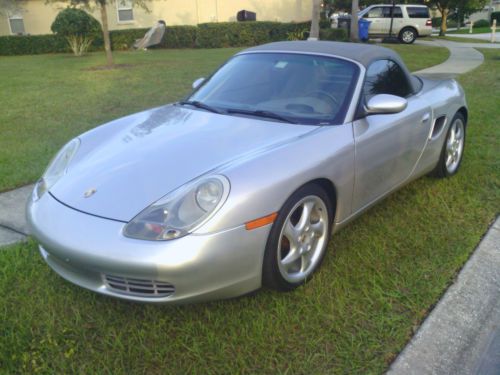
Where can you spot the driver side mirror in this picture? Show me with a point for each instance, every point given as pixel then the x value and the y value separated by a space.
pixel 197 83
pixel 385 104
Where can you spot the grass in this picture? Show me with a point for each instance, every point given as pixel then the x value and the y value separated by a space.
pixel 475 30
pixel 48 99
pixel 463 40
pixel 380 278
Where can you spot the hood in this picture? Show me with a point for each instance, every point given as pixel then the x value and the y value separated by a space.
pixel 134 161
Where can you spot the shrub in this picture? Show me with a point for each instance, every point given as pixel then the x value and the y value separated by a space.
pixel 209 35
pixel 333 34
pixel 481 23
pixel 238 34
pixel 297 35
pixel 436 21
pixel 495 16
pixel 78 27
pixel 32 44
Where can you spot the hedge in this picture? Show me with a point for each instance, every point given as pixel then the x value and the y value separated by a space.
pixel 32 44
pixel 207 35
pixel 234 34
pixel 333 34
pixel 495 16
pixel 481 23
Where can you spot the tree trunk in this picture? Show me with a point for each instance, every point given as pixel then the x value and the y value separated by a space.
pixel 444 17
pixel 314 34
pixel 354 20
pixel 105 33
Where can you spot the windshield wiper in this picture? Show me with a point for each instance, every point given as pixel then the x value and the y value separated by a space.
pixel 197 104
pixel 262 113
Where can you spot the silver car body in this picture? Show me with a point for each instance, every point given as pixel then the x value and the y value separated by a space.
pixel 359 162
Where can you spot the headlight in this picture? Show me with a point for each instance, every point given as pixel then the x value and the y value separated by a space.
pixel 57 168
pixel 181 211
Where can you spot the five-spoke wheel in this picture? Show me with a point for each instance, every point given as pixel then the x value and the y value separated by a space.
pixel 453 148
pixel 299 238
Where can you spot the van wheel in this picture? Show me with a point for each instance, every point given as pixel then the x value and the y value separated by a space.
pixel 408 35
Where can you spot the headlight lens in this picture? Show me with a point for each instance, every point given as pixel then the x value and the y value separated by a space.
pixel 181 211
pixel 57 168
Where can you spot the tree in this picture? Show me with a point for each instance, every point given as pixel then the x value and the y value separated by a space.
pixel 354 20
pixel 444 7
pixel 314 34
pixel 78 27
pixel 11 6
pixel 102 5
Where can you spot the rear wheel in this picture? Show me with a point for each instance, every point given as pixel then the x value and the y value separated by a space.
pixel 453 148
pixel 298 240
pixel 408 35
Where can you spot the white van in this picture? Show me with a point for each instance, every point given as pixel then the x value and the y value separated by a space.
pixel 410 21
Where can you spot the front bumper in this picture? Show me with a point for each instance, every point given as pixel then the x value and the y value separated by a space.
pixel 88 250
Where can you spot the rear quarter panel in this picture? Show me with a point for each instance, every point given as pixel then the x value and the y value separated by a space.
pixel 446 98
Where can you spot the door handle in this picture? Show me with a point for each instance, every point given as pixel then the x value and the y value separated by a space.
pixel 425 118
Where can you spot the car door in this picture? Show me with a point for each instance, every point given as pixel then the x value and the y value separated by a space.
pixel 379 24
pixel 388 146
pixel 397 22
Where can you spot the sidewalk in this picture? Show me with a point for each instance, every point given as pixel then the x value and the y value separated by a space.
pixel 13 227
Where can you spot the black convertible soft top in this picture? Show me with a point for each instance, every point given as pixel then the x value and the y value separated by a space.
pixel 365 54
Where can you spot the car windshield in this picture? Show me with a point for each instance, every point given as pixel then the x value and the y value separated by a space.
pixel 306 89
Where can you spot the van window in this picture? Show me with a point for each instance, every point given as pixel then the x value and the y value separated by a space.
pixel 418 12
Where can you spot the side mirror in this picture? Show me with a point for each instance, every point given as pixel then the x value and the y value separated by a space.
pixel 197 83
pixel 384 103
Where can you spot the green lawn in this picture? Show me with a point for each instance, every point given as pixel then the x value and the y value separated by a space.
pixel 48 99
pixel 462 40
pixel 475 30
pixel 380 278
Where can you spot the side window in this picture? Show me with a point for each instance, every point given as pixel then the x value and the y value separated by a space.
pixel 418 12
pixel 377 12
pixel 397 12
pixel 385 77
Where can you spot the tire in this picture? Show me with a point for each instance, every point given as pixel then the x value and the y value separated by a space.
pixel 298 239
pixel 453 148
pixel 408 35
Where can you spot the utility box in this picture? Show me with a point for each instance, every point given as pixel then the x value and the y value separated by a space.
pixel 246 15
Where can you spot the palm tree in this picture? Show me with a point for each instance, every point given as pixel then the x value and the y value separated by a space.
pixel 314 34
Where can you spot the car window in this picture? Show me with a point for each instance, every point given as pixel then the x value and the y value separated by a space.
pixel 377 12
pixel 418 12
pixel 397 12
pixel 385 77
pixel 307 88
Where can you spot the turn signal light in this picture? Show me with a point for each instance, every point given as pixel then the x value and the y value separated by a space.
pixel 260 222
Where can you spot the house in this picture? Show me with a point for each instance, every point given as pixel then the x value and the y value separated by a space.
pixel 36 16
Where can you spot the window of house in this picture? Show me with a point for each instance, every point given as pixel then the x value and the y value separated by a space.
pixel 386 77
pixel 16 23
pixel 125 11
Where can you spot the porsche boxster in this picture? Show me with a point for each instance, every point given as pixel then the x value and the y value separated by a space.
pixel 241 184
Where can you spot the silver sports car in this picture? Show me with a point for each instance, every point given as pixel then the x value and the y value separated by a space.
pixel 242 183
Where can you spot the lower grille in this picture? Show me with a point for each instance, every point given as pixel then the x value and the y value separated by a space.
pixel 138 287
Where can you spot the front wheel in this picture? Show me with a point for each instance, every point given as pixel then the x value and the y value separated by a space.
pixel 408 35
pixel 298 239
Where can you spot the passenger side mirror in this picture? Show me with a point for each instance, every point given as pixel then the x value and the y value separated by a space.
pixel 385 104
pixel 198 82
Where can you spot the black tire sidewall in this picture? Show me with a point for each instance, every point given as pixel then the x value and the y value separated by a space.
pixel 271 275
